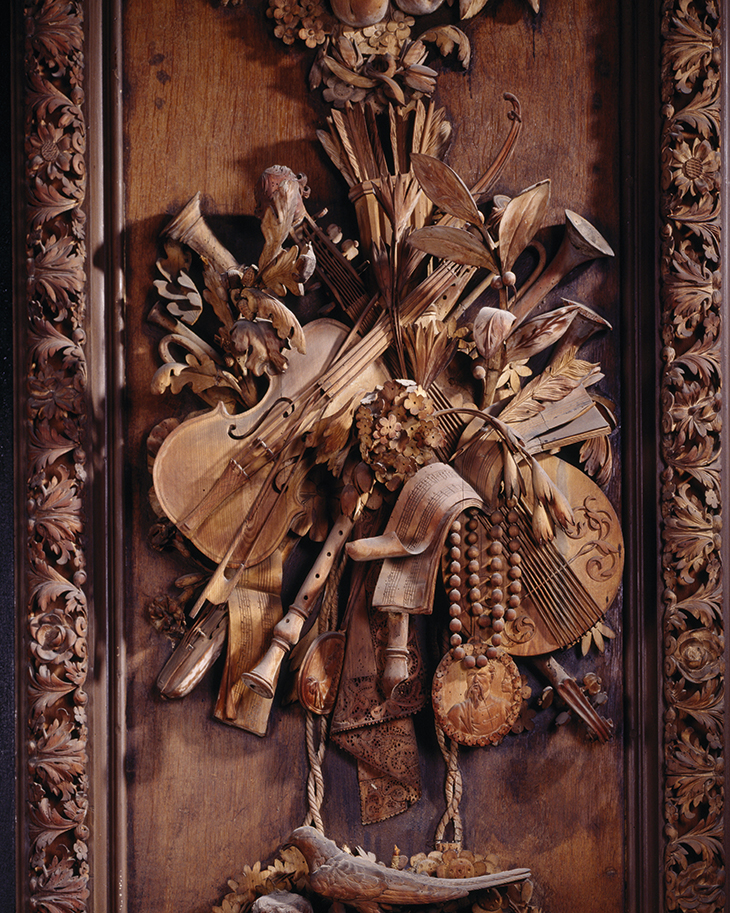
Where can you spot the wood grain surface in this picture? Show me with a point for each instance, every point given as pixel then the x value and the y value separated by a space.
pixel 211 99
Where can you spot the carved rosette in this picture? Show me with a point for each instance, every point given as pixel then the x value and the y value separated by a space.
pixel 691 499
pixel 56 732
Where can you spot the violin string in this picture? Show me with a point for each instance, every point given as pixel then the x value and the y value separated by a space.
pixel 547 598
pixel 565 571
pixel 541 562
pixel 559 572
pixel 546 614
pixel 554 582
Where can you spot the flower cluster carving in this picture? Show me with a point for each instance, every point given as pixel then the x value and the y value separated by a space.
pixel 691 378
pixel 56 732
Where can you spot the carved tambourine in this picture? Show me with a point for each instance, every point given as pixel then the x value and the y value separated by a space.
pixel 476 705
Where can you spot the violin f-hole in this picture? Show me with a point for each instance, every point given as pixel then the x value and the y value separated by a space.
pixel 250 431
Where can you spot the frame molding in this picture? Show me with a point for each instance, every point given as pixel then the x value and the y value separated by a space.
pixel 690 440
pixel 67 388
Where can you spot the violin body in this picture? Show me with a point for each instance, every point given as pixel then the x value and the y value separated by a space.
pixel 568 583
pixel 216 472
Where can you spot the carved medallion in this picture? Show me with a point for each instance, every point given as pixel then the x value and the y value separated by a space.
pixel 477 705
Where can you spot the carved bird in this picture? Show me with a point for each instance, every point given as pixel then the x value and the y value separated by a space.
pixel 365 885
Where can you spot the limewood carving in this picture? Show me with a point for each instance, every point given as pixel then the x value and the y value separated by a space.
pixel 414 432
pixel 367 886
pixel 53 579
pixel 55 733
pixel 691 495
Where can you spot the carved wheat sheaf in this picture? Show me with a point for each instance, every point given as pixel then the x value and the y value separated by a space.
pixel 55 731
pixel 691 498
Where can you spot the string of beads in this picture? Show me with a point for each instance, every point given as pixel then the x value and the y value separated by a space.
pixel 493 602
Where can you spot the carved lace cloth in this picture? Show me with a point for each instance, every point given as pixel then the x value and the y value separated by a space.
pixel 379 733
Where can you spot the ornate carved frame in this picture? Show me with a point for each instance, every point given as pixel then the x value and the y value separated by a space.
pixel 66 399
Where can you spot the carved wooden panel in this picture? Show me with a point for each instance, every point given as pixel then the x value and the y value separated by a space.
pixel 211 98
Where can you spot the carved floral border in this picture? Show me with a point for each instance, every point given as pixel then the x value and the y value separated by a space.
pixel 690 438
pixel 54 727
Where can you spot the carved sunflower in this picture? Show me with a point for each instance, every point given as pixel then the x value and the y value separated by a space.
pixel 695 169
pixel 50 151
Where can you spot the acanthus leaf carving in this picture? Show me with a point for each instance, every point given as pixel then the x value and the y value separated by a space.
pixel 694 642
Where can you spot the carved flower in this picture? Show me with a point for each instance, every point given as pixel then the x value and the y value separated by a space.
pixel 287 12
pixel 693 413
pixel 312 32
pixel 388 36
pixel 339 93
pixel 51 151
pixel 698 655
pixel 397 431
pixel 696 169
pixel 53 636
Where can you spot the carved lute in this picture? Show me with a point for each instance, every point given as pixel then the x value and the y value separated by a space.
pixel 566 584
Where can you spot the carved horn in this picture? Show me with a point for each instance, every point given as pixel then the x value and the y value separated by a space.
pixel 581 243
pixel 189 227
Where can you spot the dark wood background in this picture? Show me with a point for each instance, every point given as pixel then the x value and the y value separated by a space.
pixel 211 98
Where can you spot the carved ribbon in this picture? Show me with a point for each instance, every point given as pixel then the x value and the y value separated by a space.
pixel 253 610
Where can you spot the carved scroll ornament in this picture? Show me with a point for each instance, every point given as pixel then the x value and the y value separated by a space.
pixel 691 494
pixel 55 731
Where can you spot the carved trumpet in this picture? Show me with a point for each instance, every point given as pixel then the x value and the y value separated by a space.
pixel 189 227
pixel 581 243
pixel 262 678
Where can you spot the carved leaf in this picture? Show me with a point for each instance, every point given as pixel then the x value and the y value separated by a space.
pixel 48 585
pixel 469 8
pixel 46 823
pixel 46 445
pixel 348 76
pixel 57 32
pixel 57 516
pixel 443 186
pixel 522 217
pixel 690 285
pixel 57 271
pixel 47 202
pixel 205 378
pixel 702 112
pixel 177 259
pixel 258 347
pixel 59 756
pixel 549 387
pixel 183 298
pixel 217 297
pixel 596 454
pixel 48 340
pixel 692 773
pixel 59 889
pixel 448 37
pixel 540 332
pixel 45 689
pixel 282 274
pixel 453 244
pixel 45 99
pixel 261 304
pixel 688 49
pixel 702 359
